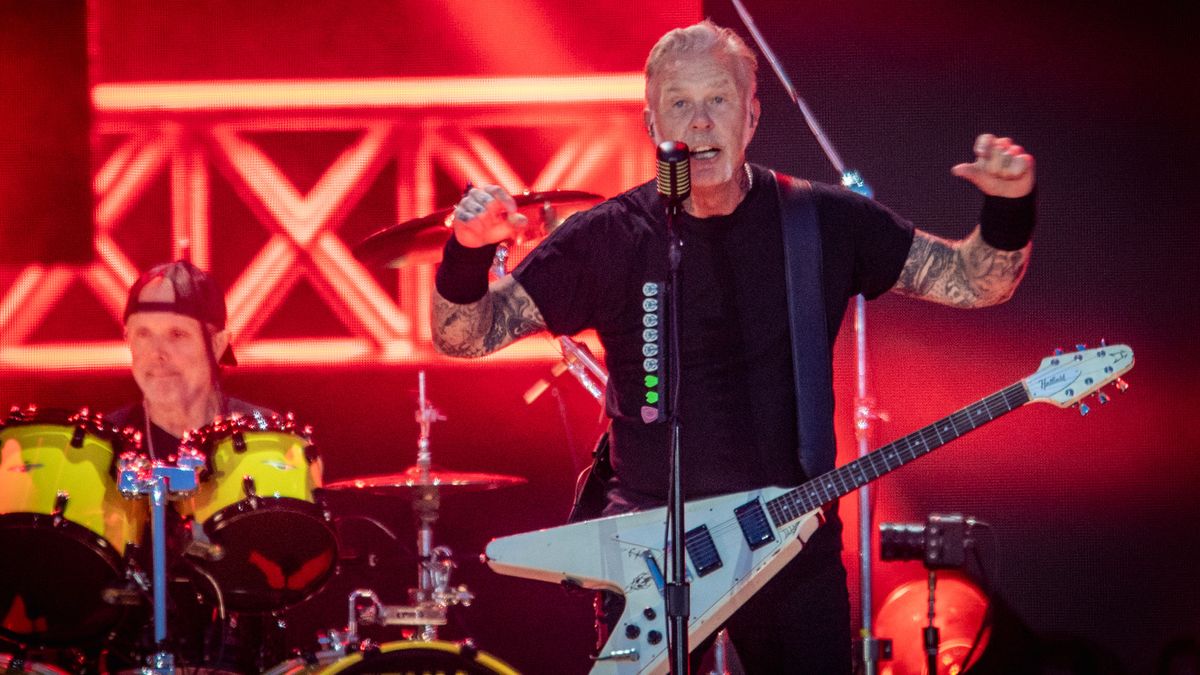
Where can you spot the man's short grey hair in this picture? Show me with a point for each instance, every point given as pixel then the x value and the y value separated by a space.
pixel 703 38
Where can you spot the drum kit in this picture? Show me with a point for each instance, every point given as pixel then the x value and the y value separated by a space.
pixel 248 493
pixel 93 532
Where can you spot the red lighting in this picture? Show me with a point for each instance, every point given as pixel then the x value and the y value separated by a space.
pixel 432 130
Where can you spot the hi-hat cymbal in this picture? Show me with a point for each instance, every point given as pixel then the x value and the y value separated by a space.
pixel 412 480
pixel 420 240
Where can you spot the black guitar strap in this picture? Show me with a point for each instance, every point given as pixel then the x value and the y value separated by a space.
pixel 812 365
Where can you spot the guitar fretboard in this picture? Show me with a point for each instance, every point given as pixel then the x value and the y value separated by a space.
pixel 848 478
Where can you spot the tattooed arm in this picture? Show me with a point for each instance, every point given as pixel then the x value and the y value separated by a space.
pixel 970 272
pixel 501 317
pixel 964 273
pixel 505 313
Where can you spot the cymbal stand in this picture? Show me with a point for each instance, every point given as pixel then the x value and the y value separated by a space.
pixel 432 596
pixel 583 366
pixel 139 477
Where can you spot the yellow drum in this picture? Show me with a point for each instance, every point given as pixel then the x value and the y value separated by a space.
pixel 64 526
pixel 256 504
pixel 405 658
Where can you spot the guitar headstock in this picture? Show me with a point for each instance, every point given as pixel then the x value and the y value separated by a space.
pixel 1066 378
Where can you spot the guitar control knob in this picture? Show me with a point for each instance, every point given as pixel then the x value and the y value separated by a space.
pixel 632 631
pixel 654 637
pixel 649 613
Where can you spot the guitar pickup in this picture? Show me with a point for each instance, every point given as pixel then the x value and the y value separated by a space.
pixel 753 521
pixel 702 550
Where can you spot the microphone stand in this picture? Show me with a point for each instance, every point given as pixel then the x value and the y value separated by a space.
pixel 676 591
pixel 865 412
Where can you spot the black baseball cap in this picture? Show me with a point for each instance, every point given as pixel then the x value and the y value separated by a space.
pixel 196 295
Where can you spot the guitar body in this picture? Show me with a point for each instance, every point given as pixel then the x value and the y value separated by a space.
pixel 624 554
pixel 737 542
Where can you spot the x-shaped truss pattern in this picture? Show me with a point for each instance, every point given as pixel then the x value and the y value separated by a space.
pixel 432 130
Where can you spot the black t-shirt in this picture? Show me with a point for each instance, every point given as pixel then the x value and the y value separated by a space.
pixel 606 267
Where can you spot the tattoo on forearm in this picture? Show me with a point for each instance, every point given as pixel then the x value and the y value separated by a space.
pixel 502 316
pixel 968 273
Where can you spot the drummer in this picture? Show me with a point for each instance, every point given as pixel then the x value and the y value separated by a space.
pixel 175 326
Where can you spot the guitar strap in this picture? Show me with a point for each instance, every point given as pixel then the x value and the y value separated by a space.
pixel 811 363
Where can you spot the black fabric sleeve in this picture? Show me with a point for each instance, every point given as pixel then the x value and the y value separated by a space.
pixel 880 238
pixel 559 274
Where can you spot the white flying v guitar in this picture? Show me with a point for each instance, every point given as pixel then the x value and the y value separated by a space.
pixel 737 542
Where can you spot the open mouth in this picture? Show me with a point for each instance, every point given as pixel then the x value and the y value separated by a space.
pixel 704 152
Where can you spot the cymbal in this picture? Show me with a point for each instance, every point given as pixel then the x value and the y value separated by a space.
pixel 420 240
pixel 411 480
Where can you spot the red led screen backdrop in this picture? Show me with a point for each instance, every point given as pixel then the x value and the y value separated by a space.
pixel 45 106
pixel 265 166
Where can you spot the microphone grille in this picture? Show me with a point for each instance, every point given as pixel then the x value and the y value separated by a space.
pixel 673 174
pixel 674 180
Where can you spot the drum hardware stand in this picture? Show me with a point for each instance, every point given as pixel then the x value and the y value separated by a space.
pixel 132 591
pixel 865 413
pixel 432 596
pixel 139 476
pixel 583 366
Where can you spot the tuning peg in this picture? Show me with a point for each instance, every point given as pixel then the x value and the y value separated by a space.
pixel 1122 385
pixel 1102 397
pixel 1058 351
pixel 1080 347
pixel 1084 409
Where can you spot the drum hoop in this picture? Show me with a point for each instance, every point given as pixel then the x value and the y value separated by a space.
pixel 121 438
pixel 206 438
pixel 474 655
pixel 251 505
pixel 80 534
pixel 35 667
pixel 72 530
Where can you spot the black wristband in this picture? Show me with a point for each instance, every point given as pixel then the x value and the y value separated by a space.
pixel 1007 223
pixel 462 278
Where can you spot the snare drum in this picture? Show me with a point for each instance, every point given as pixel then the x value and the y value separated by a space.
pixel 256 504
pixel 64 526
pixel 405 658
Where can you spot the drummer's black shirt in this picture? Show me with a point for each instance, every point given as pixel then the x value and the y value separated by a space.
pixel 737 403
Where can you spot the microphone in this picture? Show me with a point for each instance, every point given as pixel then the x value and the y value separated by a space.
pixel 674 172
